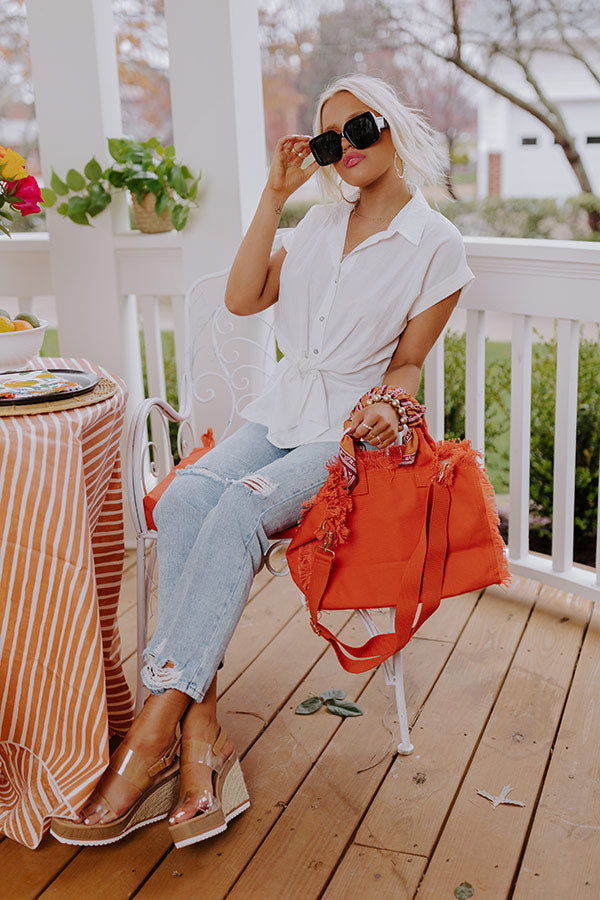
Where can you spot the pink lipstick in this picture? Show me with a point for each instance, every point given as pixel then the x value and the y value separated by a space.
pixel 352 159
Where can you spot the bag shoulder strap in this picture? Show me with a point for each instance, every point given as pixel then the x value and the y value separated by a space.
pixel 422 582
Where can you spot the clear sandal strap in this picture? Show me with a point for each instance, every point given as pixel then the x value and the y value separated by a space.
pixel 197 751
pixel 131 765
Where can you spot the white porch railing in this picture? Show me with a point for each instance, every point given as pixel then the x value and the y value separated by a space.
pixel 531 282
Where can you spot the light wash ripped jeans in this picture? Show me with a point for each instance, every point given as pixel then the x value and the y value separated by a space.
pixel 213 525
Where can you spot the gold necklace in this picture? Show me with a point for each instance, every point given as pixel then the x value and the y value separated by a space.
pixel 374 218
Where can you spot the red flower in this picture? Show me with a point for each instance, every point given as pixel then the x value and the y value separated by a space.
pixel 24 195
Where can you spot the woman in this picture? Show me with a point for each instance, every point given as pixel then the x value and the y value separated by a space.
pixel 363 289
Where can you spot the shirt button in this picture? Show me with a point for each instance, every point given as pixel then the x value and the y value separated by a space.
pixel 316 352
pixel 321 318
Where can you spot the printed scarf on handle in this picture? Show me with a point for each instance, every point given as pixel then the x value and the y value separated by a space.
pixel 406 436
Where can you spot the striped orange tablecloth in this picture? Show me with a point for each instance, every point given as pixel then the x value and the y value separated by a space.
pixel 62 688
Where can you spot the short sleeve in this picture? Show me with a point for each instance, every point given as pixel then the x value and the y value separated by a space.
pixel 446 273
pixel 289 236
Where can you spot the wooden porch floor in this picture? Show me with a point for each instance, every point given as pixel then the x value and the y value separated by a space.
pixel 502 689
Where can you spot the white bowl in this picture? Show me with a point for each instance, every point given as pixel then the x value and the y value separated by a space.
pixel 18 347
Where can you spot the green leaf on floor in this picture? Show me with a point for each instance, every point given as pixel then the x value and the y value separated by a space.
pixel 343 708
pixel 463 891
pixel 309 706
pixel 332 694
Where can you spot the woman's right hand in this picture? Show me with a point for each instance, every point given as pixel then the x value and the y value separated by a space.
pixel 287 173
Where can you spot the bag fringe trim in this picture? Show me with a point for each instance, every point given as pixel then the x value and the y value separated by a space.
pixel 491 508
pixel 449 455
pixel 336 497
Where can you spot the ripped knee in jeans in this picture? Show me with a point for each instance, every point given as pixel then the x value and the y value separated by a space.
pixel 258 484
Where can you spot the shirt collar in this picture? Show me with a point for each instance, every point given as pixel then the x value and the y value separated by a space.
pixel 410 221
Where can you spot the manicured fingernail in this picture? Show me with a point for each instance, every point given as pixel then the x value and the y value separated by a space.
pixel 86 821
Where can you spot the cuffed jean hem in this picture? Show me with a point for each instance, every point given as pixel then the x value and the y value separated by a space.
pixel 151 673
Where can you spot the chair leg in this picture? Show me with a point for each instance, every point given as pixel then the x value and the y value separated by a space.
pixel 144 584
pixel 405 748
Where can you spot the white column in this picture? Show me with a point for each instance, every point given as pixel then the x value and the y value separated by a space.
pixel 75 76
pixel 218 121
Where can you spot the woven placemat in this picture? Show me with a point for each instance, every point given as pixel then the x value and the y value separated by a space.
pixel 102 391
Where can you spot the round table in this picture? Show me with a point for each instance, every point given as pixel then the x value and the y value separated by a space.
pixel 62 688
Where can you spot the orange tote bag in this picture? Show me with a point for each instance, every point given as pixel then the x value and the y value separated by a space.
pixel 407 527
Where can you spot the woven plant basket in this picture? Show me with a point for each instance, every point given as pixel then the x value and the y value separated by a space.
pixel 147 219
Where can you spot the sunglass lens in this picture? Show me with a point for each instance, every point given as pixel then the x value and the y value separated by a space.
pixel 326 148
pixel 362 131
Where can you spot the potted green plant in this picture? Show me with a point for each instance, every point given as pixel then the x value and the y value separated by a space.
pixel 162 189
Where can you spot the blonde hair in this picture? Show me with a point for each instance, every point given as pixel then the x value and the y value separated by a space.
pixel 415 141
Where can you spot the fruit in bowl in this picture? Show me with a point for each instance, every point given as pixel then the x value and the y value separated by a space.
pixel 20 339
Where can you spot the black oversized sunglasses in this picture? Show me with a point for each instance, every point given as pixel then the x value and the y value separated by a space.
pixel 361 131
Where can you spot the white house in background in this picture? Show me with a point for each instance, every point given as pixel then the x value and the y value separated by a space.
pixel 516 154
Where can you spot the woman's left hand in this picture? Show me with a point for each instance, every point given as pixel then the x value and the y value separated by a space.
pixel 377 424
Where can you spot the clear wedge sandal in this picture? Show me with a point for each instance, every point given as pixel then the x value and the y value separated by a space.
pixel 229 795
pixel 155 800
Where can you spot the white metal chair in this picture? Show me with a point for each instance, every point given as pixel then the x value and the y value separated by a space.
pixel 224 362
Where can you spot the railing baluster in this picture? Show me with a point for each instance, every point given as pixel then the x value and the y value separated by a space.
pixel 565 436
pixel 25 304
pixel 475 379
pixel 434 389
pixel 520 440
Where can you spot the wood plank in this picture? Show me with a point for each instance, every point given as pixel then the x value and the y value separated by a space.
pixel 480 844
pixel 303 848
pixel 268 611
pixel 373 874
pixel 562 857
pixel 412 804
pixel 292 654
pixel 26 872
pixel 277 764
pixel 450 618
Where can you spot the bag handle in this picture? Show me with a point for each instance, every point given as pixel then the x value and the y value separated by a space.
pixel 410 414
pixel 422 580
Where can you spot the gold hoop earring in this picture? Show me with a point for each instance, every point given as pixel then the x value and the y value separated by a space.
pixel 399 173
pixel 342 194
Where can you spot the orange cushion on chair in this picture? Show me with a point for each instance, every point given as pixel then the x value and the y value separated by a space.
pixel 151 499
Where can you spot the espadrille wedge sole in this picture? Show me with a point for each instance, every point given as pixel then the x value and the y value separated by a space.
pixel 230 794
pixel 153 804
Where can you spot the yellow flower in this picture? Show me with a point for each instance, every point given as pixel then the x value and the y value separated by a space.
pixel 12 166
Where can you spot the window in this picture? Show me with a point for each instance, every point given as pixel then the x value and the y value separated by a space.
pixel 593 139
pixel 529 141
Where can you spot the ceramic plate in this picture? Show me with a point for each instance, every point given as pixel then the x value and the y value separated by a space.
pixel 85 381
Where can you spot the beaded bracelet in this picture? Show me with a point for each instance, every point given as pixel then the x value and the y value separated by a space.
pixel 409 412
pixel 394 402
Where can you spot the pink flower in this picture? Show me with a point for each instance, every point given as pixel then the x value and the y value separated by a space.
pixel 24 195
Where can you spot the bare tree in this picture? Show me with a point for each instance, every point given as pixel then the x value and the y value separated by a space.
pixel 475 37
pixel 429 86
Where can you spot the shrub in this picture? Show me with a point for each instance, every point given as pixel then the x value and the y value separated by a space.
pixel 497 402
pixel 542 433
pixel 587 443
pixel 524 217
pixel 293 213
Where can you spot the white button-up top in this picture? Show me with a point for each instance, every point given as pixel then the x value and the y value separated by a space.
pixel 338 321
